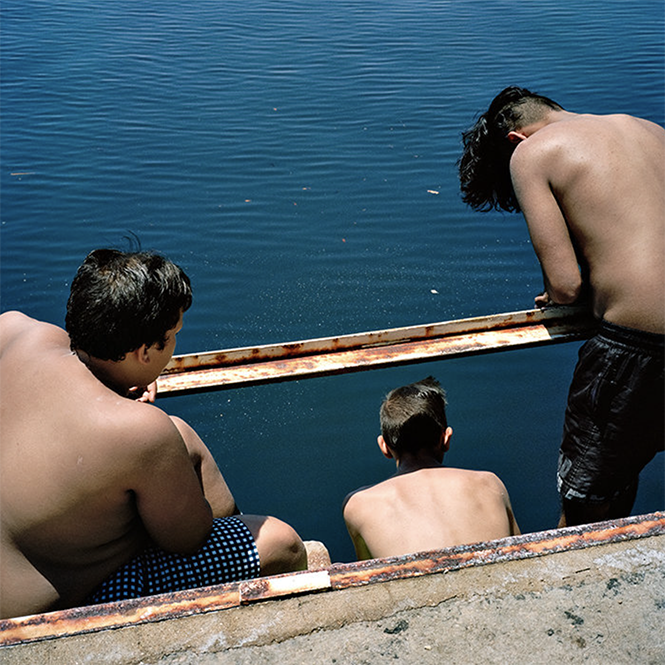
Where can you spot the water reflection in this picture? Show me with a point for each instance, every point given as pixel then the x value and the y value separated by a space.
pixel 284 154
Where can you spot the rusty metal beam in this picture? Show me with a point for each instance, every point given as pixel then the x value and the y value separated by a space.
pixel 363 351
pixel 525 546
pixel 180 604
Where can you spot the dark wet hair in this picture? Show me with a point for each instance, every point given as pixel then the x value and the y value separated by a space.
pixel 414 416
pixel 484 167
pixel 122 300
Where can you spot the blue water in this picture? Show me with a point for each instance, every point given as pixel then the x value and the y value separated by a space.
pixel 282 153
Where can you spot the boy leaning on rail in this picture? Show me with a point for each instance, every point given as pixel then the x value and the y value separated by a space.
pixel 592 190
pixel 104 497
pixel 424 505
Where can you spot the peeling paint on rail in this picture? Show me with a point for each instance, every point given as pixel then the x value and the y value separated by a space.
pixel 281 362
pixel 216 370
pixel 127 613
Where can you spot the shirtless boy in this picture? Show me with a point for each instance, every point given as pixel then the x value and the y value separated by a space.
pixel 424 505
pixel 97 489
pixel 592 191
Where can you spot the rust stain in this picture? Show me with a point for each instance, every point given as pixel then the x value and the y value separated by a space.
pixel 268 588
pixel 254 589
pixel 354 353
pixel 122 613
pixel 346 361
pixel 338 576
pixel 509 549
pixel 573 318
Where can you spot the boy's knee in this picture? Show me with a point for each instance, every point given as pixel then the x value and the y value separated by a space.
pixel 281 549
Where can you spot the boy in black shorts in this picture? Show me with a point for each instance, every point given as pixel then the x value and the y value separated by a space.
pixel 592 191
pixel 614 422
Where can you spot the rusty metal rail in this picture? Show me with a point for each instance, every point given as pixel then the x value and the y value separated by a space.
pixel 228 368
pixel 180 604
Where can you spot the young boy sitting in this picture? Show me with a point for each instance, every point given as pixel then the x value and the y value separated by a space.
pixel 424 505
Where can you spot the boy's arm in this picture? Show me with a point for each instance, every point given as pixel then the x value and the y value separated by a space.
pixel 529 170
pixel 512 522
pixel 214 486
pixel 362 551
pixel 514 528
pixel 168 493
pixel 350 512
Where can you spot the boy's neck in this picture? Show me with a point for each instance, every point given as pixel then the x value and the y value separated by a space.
pixel 424 459
pixel 107 372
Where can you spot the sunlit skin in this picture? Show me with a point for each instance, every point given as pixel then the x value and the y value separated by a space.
pixel 88 476
pixel 592 190
pixel 426 506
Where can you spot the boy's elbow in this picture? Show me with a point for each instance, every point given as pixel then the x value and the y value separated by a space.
pixel 565 293
pixel 564 297
pixel 189 538
pixel 186 546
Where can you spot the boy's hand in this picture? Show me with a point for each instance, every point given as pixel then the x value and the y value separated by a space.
pixel 144 393
pixel 543 300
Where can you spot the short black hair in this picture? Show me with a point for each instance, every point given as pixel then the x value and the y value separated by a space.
pixel 122 300
pixel 484 167
pixel 414 416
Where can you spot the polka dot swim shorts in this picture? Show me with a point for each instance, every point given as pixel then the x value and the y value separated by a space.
pixel 229 554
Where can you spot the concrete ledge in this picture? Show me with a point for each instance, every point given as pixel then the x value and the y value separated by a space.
pixel 594 594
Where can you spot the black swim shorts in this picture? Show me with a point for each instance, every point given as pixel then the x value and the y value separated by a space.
pixel 229 554
pixel 615 414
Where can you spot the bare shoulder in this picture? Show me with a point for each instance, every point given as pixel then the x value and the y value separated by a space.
pixel 141 446
pixel 143 427
pixel 15 325
pixel 13 317
pixel 548 140
pixel 12 324
pixel 356 502
pixel 490 480
pixel 532 159
pixel 555 152
pixel 352 499
pixel 475 479
pixel 137 437
pixel 633 121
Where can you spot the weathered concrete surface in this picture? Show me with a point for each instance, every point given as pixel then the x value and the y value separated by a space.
pixel 604 604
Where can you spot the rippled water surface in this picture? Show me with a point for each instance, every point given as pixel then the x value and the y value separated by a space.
pixel 285 154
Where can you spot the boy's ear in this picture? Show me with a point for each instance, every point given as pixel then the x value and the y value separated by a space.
pixel 142 354
pixel 445 439
pixel 516 137
pixel 384 447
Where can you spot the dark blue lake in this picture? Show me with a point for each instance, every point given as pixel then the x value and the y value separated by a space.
pixel 285 154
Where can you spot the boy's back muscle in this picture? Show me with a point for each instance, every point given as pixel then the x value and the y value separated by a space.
pixel 607 173
pixel 63 504
pixel 429 509
pixel 72 454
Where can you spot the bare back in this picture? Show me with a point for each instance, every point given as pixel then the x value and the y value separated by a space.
pixel 606 176
pixel 428 509
pixel 80 485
